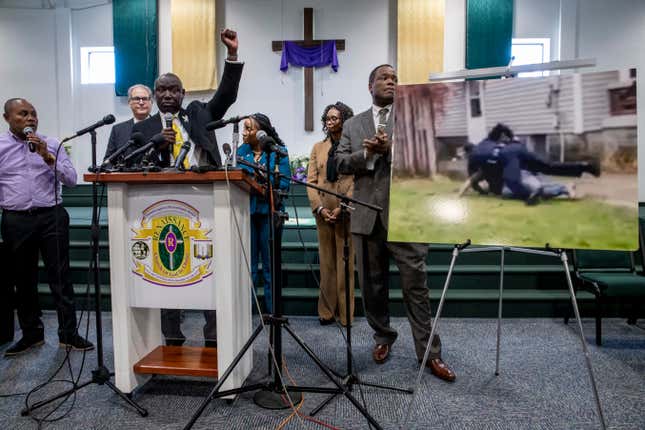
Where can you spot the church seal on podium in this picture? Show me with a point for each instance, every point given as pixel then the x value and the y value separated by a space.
pixel 170 245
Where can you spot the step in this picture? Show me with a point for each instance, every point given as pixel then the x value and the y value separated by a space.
pixel 463 294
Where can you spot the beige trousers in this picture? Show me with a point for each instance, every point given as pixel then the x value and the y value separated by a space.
pixel 331 298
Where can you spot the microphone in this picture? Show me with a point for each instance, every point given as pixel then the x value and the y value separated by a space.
pixel 255 167
pixel 214 125
pixel 167 119
pixel 27 131
pixel 107 119
pixel 269 145
pixel 203 169
pixel 157 140
pixel 227 151
pixel 183 152
pixel 137 139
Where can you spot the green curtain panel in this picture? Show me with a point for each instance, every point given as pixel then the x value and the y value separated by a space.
pixel 489 33
pixel 135 43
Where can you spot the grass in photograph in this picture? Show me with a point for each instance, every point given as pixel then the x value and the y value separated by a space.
pixel 423 210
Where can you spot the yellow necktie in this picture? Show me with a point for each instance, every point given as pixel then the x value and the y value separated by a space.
pixel 179 140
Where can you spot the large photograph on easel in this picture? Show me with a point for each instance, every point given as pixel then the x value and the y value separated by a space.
pixel 522 161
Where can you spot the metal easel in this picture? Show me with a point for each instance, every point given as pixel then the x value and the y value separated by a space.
pixel 548 251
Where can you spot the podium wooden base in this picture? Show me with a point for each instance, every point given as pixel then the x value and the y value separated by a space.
pixel 180 361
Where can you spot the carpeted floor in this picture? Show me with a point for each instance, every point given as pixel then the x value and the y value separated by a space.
pixel 543 383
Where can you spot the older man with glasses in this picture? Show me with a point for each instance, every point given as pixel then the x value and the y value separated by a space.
pixel 140 102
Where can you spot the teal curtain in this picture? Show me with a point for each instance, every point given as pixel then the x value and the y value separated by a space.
pixel 489 33
pixel 135 43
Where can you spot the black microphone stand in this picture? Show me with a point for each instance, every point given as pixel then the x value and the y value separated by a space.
pixel 272 394
pixel 101 375
pixel 350 378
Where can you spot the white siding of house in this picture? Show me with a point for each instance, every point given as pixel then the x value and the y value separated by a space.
pixel 567 101
pixel 522 104
pixel 453 122
pixel 595 107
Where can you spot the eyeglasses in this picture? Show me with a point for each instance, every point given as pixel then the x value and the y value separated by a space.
pixel 332 118
pixel 139 99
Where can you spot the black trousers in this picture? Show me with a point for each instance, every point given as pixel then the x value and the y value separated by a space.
pixel 25 234
pixel 171 326
pixel 6 299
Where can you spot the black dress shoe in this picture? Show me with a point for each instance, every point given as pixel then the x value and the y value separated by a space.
pixel 23 345
pixel 76 342
pixel 210 344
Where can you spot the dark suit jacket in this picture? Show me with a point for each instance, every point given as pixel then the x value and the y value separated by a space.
pixel 119 136
pixel 371 186
pixel 197 114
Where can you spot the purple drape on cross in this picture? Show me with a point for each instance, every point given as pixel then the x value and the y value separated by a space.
pixel 314 56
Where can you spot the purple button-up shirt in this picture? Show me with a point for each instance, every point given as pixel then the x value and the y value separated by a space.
pixel 26 181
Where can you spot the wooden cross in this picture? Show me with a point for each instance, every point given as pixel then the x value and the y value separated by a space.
pixel 309 41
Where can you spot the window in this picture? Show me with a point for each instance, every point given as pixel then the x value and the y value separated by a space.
pixel 475 101
pixel 97 65
pixel 531 51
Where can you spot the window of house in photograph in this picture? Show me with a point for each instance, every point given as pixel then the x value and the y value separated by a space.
pixel 531 51
pixel 475 100
pixel 97 65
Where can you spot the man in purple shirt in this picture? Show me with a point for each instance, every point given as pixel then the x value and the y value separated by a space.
pixel 33 221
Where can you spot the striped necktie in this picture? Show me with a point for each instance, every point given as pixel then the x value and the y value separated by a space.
pixel 179 140
pixel 382 116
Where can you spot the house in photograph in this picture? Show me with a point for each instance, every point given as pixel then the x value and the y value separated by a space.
pixel 562 117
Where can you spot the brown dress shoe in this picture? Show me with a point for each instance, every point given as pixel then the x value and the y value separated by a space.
pixel 380 353
pixel 441 370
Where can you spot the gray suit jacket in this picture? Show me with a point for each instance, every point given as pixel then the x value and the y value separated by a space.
pixel 371 186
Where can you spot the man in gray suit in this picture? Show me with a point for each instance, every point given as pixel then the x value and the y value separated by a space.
pixel 365 152
pixel 140 102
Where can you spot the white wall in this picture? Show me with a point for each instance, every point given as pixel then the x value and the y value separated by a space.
pixel 28 68
pixel 93 27
pixel 364 24
pixel 454 40
pixel 538 19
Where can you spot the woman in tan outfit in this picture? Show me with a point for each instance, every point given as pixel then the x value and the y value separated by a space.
pixel 326 208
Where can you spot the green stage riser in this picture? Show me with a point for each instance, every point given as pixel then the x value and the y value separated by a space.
pixel 535 285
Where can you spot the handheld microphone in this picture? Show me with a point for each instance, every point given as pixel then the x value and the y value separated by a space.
pixel 137 139
pixel 214 125
pixel 269 145
pixel 156 141
pixel 183 152
pixel 167 119
pixel 27 131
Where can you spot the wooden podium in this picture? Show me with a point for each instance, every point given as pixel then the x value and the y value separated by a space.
pixel 174 244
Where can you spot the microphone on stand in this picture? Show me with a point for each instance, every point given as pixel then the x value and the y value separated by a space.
pixel 235 141
pixel 137 139
pixel 256 167
pixel 156 141
pixel 183 152
pixel 107 119
pixel 214 125
pixel 29 131
pixel 203 169
pixel 227 151
pixel 269 145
